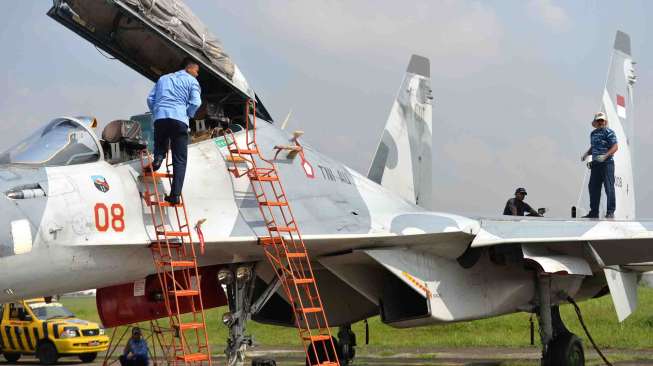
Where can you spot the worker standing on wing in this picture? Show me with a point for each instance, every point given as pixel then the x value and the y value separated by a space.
pixel 173 101
pixel 603 147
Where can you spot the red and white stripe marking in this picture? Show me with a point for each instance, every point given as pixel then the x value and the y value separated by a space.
pixel 621 106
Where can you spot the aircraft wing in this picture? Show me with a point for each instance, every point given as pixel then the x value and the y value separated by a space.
pixel 615 242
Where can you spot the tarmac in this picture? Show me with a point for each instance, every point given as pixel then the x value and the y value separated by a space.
pixel 418 357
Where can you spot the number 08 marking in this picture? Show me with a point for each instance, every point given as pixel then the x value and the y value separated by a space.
pixel 105 218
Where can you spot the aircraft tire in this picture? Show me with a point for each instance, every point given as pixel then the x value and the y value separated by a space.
pixel 11 357
pixel 566 350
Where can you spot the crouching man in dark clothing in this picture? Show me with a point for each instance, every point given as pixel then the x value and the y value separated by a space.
pixel 517 207
pixel 136 352
pixel 174 99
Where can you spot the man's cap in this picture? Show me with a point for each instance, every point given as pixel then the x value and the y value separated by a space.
pixel 600 116
pixel 136 330
pixel 520 190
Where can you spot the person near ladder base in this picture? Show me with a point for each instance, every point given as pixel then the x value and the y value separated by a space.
pixel 136 352
pixel 517 207
pixel 173 101
pixel 603 147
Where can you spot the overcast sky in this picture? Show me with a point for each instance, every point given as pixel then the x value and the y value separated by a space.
pixel 515 83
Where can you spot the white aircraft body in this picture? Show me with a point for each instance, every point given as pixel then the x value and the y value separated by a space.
pixel 75 218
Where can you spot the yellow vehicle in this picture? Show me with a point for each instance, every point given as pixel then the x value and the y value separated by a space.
pixel 49 331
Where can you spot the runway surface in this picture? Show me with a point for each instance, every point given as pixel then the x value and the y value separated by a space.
pixel 420 357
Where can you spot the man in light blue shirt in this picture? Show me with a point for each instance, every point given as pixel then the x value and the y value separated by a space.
pixel 173 101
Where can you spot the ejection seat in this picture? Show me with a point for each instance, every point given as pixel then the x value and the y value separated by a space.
pixel 122 140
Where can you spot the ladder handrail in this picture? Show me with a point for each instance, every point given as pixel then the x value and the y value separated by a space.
pixel 299 284
pixel 175 279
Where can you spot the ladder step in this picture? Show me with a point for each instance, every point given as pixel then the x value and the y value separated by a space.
pixel 164 204
pixel 317 338
pixel 310 310
pixel 236 159
pixel 269 240
pixel 186 326
pixel 328 364
pixel 243 151
pixel 185 293
pixel 193 357
pixel 179 263
pixel 283 229
pixel 173 233
pixel 295 255
pixel 157 174
pixel 264 178
pixel 273 203
pixel 302 281
pixel 164 245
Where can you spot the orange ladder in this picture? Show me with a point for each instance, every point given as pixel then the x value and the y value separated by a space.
pixel 174 255
pixel 284 247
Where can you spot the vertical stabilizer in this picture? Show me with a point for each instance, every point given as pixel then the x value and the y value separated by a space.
pixel 402 162
pixel 619 108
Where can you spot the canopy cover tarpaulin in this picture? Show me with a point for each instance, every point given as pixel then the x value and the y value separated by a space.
pixel 176 17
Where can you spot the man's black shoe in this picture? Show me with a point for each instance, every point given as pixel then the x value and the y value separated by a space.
pixel 156 164
pixel 590 216
pixel 173 200
pixel 609 215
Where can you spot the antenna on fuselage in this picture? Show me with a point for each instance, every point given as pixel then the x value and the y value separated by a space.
pixel 285 121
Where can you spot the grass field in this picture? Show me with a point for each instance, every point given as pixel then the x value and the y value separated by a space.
pixel 506 331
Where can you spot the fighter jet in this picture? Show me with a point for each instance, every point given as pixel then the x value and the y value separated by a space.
pixel 76 217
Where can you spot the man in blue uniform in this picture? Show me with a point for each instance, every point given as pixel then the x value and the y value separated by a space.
pixel 603 147
pixel 135 352
pixel 174 99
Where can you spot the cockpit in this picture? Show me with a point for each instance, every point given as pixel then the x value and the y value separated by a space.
pixel 60 142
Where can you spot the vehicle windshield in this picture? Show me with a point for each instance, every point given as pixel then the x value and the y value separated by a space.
pixel 60 142
pixel 45 311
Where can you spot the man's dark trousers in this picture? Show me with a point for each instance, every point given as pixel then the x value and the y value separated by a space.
pixel 173 133
pixel 602 174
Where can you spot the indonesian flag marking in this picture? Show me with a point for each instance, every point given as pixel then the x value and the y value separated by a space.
pixel 621 106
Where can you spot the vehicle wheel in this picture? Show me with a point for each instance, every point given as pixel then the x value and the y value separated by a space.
pixel 88 357
pixel 47 353
pixel 12 357
pixel 324 352
pixel 567 350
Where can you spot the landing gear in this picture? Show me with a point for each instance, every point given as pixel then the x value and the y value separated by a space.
pixel 240 287
pixel 560 347
pixel 346 344
pixel 240 292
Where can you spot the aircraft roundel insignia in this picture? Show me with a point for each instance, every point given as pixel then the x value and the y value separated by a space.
pixel 308 169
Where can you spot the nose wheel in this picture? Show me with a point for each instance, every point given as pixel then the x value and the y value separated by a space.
pixel 240 282
pixel 347 345
pixel 240 286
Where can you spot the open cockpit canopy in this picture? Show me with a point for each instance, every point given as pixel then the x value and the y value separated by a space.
pixel 153 37
pixel 60 142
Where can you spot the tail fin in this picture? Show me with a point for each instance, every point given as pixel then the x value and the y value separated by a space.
pixel 618 106
pixel 402 162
